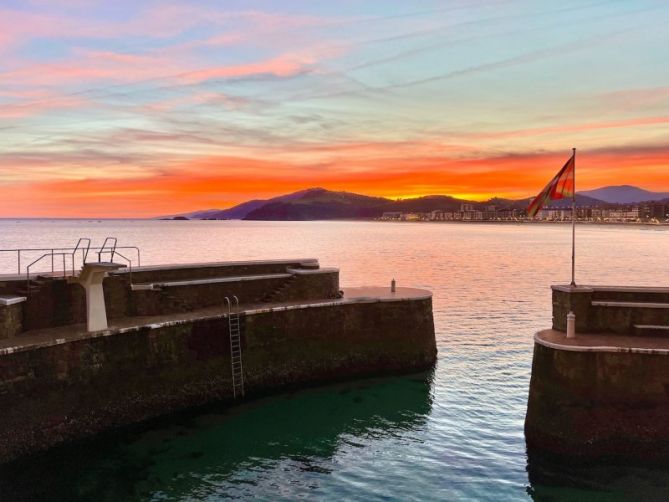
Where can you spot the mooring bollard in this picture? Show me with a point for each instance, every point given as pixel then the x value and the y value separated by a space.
pixel 571 325
pixel 392 286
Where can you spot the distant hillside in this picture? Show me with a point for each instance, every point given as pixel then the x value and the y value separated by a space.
pixel 241 211
pixel 625 194
pixel 322 204
pixel 581 200
pixel 319 204
pixel 425 204
pixel 237 212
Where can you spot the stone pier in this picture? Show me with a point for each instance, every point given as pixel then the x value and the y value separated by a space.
pixel 605 393
pixel 167 347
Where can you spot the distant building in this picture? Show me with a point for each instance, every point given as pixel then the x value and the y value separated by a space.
pixel 392 215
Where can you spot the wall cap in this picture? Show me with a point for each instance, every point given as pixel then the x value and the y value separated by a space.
pixel 172 266
pixel 596 348
pixel 210 280
pixel 6 300
pixel 312 271
pixel 567 288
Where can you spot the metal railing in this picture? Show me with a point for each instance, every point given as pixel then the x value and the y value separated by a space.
pixel 35 262
pixel 84 252
pixel 83 245
pixel 128 261
pixel 112 248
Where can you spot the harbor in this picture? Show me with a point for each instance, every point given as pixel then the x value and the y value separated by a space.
pixel 462 419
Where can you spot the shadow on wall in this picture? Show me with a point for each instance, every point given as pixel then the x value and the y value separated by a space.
pixel 173 456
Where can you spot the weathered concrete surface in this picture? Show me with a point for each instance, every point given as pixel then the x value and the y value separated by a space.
pixel 606 319
pixel 64 389
pixel 599 396
pixel 61 302
pixel 11 320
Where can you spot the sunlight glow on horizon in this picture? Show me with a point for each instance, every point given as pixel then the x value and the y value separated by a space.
pixel 152 108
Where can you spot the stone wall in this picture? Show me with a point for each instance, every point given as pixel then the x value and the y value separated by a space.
pixel 321 284
pixel 599 404
pixel 600 319
pixel 11 320
pixel 60 302
pixel 70 390
pixel 205 271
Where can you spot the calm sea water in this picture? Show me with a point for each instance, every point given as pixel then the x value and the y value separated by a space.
pixel 454 433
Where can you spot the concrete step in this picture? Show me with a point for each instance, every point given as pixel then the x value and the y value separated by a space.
pixel 633 305
pixel 651 330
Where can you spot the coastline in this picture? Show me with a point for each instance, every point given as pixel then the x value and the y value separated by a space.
pixel 360 220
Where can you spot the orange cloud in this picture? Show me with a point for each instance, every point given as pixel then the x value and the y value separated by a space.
pixel 224 181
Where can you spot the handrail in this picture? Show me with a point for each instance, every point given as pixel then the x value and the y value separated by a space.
pixel 84 255
pixel 112 248
pixel 129 264
pixel 69 250
pixel 229 303
pixel 52 254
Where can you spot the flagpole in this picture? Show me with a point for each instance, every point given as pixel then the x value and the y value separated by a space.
pixel 573 226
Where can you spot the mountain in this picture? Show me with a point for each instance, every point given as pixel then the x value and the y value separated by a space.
pixel 581 200
pixel 624 194
pixel 322 204
pixel 241 211
pixel 237 212
pixel 319 204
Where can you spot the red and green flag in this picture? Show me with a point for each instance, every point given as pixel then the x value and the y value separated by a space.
pixel 560 187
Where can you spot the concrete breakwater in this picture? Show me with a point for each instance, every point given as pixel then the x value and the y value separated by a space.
pixel 605 392
pixel 168 344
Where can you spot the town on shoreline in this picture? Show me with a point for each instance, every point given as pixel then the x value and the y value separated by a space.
pixel 646 213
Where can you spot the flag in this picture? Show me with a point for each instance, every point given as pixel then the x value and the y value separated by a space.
pixel 560 187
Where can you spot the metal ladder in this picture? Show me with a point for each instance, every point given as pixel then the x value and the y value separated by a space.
pixel 235 348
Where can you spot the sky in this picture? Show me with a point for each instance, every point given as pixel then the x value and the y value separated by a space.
pixel 144 108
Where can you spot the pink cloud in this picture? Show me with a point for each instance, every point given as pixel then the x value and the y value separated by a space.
pixel 38 103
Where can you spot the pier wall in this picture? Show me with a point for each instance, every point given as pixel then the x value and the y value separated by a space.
pixel 621 319
pixel 61 390
pixel 60 301
pixel 599 403
pixel 11 320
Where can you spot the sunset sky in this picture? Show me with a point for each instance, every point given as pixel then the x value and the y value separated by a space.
pixel 142 108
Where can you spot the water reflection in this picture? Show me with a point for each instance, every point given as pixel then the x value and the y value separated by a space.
pixel 557 479
pixel 223 451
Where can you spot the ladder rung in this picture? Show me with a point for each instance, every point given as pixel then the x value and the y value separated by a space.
pixel 234 330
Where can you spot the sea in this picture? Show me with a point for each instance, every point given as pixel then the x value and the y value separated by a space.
pixel 452 433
